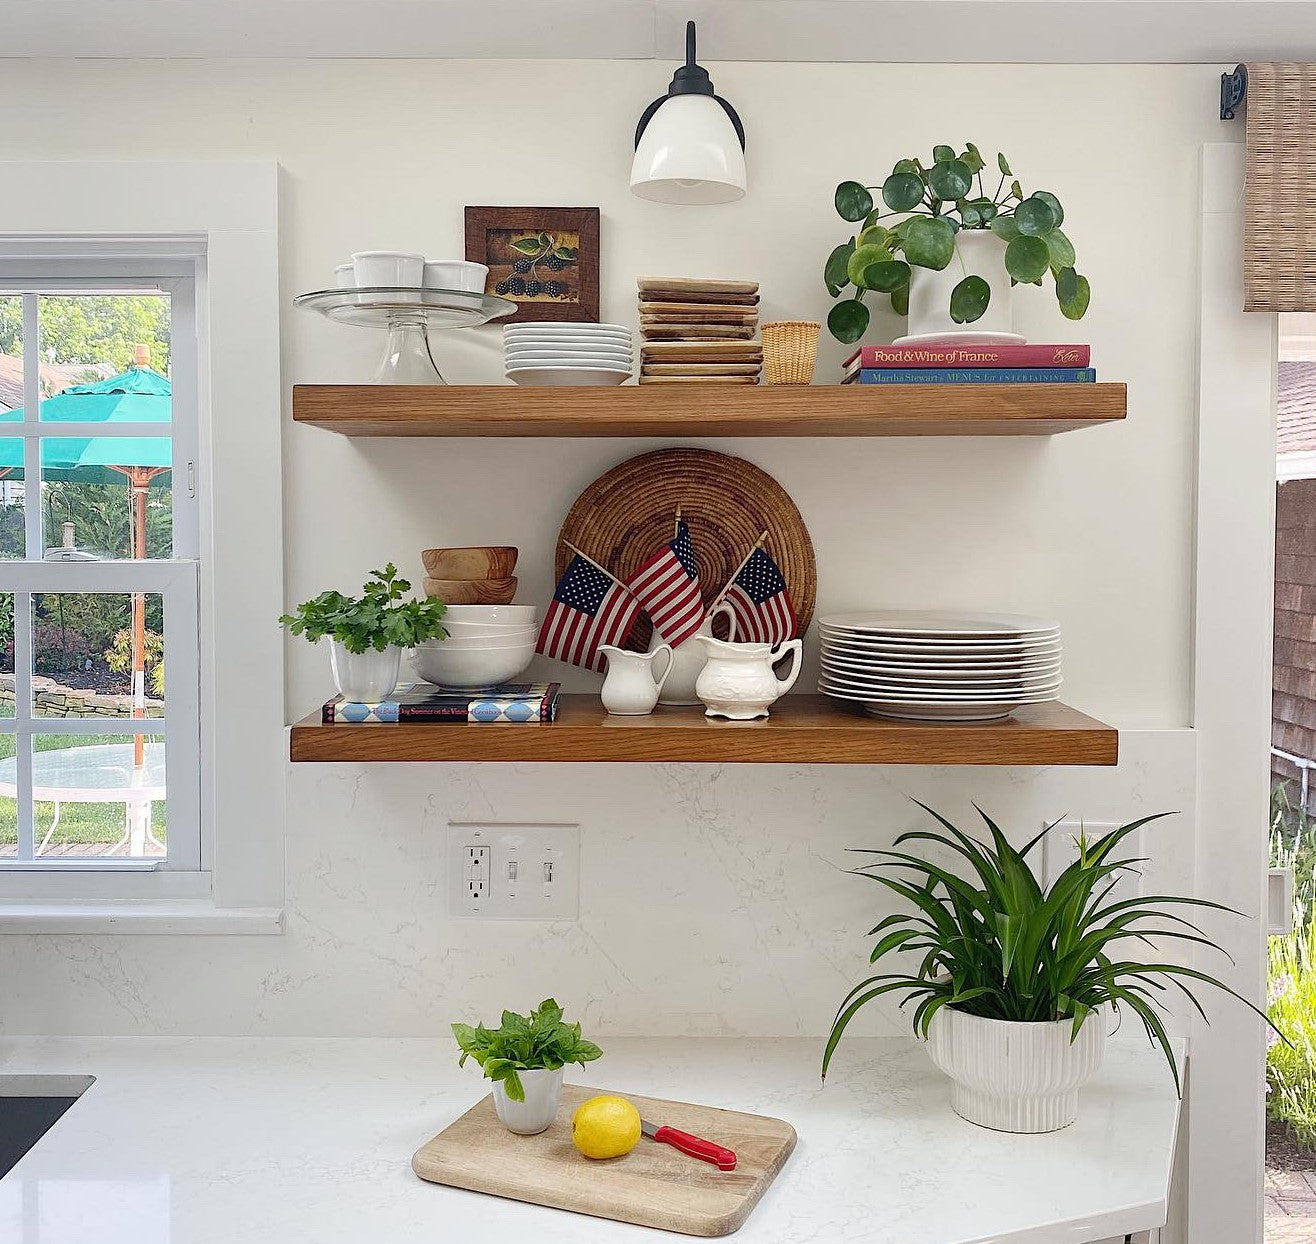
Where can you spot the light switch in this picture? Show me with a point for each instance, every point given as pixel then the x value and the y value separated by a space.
pixel 528 872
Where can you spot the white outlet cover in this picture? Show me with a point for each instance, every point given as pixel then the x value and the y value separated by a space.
pixel 1061 850
pixel 534 871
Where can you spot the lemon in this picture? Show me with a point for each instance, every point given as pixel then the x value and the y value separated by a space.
pixel 605 1127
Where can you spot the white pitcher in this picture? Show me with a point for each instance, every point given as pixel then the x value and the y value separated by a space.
pixel 737 680
pixel 688 659
pixel 631 689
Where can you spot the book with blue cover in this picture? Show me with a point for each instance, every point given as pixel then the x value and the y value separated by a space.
pixel 522 702
pixel 973 375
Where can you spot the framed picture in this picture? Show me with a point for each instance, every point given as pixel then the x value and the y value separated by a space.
pixel 545 259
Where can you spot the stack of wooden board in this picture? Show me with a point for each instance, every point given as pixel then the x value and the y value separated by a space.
pixel 696 330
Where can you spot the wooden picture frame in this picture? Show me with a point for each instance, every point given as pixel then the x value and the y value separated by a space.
pixel 552 251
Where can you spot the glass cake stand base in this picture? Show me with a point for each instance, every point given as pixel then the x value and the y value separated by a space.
pixel 407 356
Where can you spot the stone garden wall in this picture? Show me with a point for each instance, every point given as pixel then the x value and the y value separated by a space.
pixel 54 700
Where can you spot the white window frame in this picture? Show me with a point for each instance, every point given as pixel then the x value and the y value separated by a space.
pixel 220 219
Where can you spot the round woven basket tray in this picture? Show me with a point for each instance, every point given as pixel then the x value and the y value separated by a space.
pixel 628 513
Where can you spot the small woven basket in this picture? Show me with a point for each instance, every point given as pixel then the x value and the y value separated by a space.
pixel 790 350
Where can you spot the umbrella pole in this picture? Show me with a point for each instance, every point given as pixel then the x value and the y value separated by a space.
pixel 138 482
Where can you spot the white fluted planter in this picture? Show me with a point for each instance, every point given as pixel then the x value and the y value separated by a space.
pixel 365 677
pixel 1015 1077
pixel 543 1096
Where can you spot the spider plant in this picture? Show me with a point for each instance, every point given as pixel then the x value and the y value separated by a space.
pixel 1001 946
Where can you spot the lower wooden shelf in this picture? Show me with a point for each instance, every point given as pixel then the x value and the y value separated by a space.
pixel 803 729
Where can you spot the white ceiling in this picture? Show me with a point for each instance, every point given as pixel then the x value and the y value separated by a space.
pixel 1058 31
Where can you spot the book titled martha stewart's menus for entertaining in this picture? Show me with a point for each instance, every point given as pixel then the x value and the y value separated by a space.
pixel 521 702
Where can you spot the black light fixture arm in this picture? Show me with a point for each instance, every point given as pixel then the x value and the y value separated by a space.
pixel 691 79
pixel 1233 91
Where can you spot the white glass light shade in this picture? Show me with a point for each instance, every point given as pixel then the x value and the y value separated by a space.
pixel 689 153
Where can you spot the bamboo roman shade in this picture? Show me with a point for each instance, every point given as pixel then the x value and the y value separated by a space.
pixel 1279 242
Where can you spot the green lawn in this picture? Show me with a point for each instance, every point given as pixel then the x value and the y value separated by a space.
pixel 78 822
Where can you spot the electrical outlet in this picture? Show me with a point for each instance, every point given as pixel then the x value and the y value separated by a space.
pixel 1061 850
pixel 529 872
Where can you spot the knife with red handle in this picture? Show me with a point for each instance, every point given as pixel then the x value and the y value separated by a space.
pixel 724 1159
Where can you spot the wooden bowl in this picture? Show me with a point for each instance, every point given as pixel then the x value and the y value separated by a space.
pixel 472 591
pixel 496 561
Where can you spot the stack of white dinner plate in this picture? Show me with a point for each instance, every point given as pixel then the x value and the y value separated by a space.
pixel 568 354
pixel 934 666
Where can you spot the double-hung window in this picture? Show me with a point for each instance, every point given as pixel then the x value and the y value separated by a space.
pixel 100 727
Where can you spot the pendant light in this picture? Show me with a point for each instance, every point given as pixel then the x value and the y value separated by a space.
pixel 689 144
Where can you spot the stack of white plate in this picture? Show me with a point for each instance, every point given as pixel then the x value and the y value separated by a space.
pixel 939 666
pixel 568 354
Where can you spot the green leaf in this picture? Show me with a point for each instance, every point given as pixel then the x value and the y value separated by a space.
pixel 853 201
pixel 527 246
pixel 969 299
pixel 874 235
pixel 568 253
pixel 1034 217
pixel 969 214
pixel 848 320
pixel 973 158
pixel 1053 203
pixel 907 166
pixel 1003 165
pixel 835 273
pixel 1027 259
pixel 950 179
pixel 1060 249
pixel 941 153
pixel 1073 293
pixel 929 242
pixel 1005 228
pixel 902 192
pixel 886 276
pixel 900 300
pixel 863 258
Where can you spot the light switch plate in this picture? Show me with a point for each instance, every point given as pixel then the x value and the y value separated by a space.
pixel 533 871
pixel 1061 850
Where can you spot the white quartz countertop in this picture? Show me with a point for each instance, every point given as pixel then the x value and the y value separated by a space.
pixel 309 1142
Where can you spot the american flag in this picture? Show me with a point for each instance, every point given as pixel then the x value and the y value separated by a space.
pixel 761 603
pixel 589 608
pixel 667 585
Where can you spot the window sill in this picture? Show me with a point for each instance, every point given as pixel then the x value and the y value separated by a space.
pixel 167 919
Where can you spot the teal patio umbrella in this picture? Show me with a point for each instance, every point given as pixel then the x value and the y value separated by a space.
pixel 139 395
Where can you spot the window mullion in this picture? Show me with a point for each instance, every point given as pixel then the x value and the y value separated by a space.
pixel 23 723
pixel 31 426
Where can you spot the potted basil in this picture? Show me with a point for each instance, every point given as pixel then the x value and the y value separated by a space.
pixel 524 1058
pixel 952 258
pixel 1014 983
pixel 369 632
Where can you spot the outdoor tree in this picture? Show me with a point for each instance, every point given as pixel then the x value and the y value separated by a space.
pixel 91 329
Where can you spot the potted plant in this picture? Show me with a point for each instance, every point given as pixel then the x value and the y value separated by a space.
pixel 369 632
pixel 524 1058
pixel 1015 983
pixel 954 255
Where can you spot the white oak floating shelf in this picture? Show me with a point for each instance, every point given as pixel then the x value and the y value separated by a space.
pixel 709 410
pixel 803 729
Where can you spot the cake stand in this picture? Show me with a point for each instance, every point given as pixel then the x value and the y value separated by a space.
pixel 409 314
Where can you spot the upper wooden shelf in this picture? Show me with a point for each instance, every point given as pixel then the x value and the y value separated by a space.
pixel 803 729
pixel 711 410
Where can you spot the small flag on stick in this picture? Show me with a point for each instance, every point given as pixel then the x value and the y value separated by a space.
pixel 761 604
pixel 667 585
pixel 590 608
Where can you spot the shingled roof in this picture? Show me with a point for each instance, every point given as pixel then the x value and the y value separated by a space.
pixel 55 378
pixel 1296 408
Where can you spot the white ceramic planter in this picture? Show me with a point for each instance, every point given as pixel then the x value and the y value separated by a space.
pixel 543 1096
pixel 1015 1077
pixel 365 677
pixel 978 252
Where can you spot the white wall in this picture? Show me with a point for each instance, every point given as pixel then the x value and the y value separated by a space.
pixel 1095 528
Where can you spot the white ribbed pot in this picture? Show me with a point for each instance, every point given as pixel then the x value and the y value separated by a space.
pixel 365 677
pixel 1015 1077
pixel 543 1096
pixel 978 252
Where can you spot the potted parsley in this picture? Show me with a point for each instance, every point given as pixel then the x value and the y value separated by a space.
pixel 524 1058
pixel 369 632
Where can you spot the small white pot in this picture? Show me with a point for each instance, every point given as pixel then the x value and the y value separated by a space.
pixel 543 1096
pixel 365 677
pixel 455 274
pixel 388 268
pixel 978 252
pixel 1015 1077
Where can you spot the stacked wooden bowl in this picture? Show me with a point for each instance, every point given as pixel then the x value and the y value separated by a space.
pixel 471 576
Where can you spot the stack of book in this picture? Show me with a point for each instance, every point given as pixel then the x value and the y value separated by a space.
pixel 699 331
pixel 968 364
pixel 521 702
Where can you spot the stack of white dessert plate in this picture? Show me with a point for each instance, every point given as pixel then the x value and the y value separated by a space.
pixel 568 354
pixel 933 666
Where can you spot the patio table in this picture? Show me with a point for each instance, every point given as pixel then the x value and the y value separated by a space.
pixel 100 773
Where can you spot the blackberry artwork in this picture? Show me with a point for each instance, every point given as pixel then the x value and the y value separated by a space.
pixel 538 254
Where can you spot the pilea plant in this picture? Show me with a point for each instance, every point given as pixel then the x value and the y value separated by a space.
pixel 936 201
pixel 378 619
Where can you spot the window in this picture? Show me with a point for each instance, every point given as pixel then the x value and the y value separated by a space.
pixel 99 544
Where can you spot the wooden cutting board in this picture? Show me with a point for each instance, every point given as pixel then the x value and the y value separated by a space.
pixel 654 1185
